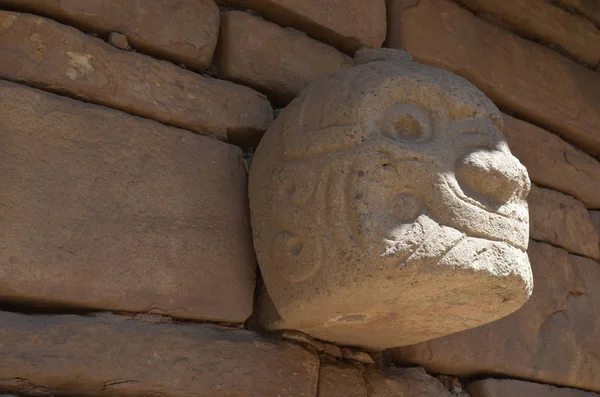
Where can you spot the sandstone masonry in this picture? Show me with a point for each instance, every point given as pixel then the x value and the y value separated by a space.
pixel 105 210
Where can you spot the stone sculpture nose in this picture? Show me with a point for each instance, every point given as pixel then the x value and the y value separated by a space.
pixel 491 176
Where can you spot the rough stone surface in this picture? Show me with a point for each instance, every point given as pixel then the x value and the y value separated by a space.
pixel 118 40
pixel 379 193
pixel 182 31
pixel 551 90
pixel 41 52
pixel 115 355
pixel 345 24
pixel 588 8
pixel 552 339
pixel 517 388
pixel 562 221
pixel 544 22
pixel 552 162
pixel 106 210
pixel 341 380
pixel 413 382
pixel 276 61
pixel 595 217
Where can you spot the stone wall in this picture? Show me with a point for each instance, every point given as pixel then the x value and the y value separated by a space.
pixel 127 129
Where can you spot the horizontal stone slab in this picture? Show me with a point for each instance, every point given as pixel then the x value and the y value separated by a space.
pixel 108 355
pixel 552 339
pixel 345 380
pixel 345 24
pixel 58 58
pixel 183 31
pixel 531 80
pixel 552 162
pixel 105 210
pixel 276 61
pixel 517 388
pixel 563 221
pixel 589 9
pixel 544 22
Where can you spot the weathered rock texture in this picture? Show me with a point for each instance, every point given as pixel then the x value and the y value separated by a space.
pixel 552 339
pixel 543 21
pixel 589 8
pixel 595 217
pixel 516 388
pixel 183 31
pixel 41 52
pixel 105 210
pixel 342 380
pixel 563 221
pixel 552 162
pixel 117 355
pixel 378 193
pixel 277 61
pixel 531 80
pixel 345 24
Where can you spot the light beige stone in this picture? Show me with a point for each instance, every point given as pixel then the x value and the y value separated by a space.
pixel 276 61
pixel 552 162
pixel 517 388
pixel 345 24
pixel 413 382
pixel 552 339
pixel 384 192
pixel 58 58
pixel 182 31
pixel 341 380
pixel 357 355
pixel 105 210
pixel 108 355
pixel 589 8
pixel 544 22
pixel 562 221
pixel 532 81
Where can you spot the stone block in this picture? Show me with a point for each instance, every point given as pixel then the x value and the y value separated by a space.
pixel 40 52
pixel 517 388
pixel 276 61
pixel 345 24
pixel 532 81
pixel 595 217
pixel 118 40
pixel 552 339
pixel 384 192
pixel 414 382
pixel 552 162
pixel 543 21
pixel 108 355
pixel 562 221
pixel 587 8
pixel 182 31
pixel 105 210
pixel 341 380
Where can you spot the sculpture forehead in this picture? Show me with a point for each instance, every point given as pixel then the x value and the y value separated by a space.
pixel 355 98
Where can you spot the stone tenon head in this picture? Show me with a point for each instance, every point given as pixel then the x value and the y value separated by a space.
pixel 387 208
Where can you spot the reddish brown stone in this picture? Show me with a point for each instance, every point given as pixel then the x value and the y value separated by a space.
pixel 106 210
pixel 276 61
pixel 552 339
pixel 341 380
pixel 595 216
pixel 589 8
pixel 517 388
pixel 531 80
pixel 552 162
pixel 118 40
pixel 562 221
pixel 183 31
pixel 345 24
pixel 412 382
pixel 58 58
pixel 545 22
pixel 108 355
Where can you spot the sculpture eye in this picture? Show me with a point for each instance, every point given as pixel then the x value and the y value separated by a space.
pixel 406 123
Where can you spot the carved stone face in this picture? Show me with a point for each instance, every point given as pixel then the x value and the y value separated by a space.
pixel 387 208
